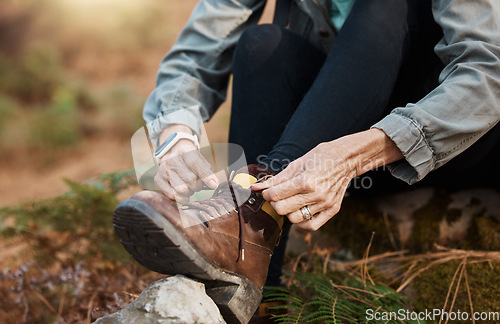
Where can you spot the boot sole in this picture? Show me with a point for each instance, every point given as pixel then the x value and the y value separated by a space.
pixel 156 244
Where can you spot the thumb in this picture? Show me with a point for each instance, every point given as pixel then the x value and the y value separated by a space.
pixel 211 181
pixel 200 166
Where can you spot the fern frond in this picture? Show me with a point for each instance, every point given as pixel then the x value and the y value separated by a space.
pixel 337 298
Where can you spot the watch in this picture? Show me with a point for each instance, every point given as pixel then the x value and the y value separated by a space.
pixel 172 140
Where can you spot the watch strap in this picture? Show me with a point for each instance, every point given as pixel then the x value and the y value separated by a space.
pixel 170 142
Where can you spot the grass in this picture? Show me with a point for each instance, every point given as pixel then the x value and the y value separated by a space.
pixel 321 289
pixel 61 261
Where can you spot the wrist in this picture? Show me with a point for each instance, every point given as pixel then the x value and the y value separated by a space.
pixel 176 128
pixel 177 138
pixel 370 149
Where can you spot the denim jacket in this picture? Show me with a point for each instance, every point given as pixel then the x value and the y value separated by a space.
pixel 193 79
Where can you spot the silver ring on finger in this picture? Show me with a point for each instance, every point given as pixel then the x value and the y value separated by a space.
pixel 306 213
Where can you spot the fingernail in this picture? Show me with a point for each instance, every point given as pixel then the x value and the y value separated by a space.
pixel 212 184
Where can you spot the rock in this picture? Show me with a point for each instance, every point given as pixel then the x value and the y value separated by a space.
pixel 414 220
pixel 172 300
pixel 402 207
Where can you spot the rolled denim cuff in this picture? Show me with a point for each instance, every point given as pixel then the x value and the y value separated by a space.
pixel 410 139
pixel 189 117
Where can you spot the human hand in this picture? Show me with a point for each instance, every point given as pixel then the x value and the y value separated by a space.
pixel 183 170
pixel 320 178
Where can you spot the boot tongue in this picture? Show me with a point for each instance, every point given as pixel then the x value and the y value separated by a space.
pixel 244 179
pixel 250 174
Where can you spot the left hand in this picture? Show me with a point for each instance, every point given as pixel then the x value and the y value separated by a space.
pixel 319 179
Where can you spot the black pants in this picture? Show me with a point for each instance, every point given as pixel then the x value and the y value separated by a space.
pixel 288 96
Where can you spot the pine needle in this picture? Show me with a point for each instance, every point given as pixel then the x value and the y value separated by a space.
pixel 461 266
pixel 469 294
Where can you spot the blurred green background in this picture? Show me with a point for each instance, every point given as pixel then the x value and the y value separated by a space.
pixel 74 75
pixel 73 78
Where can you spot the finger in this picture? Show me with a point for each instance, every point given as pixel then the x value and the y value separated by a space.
pixel 294 203
pixel 188 165
pixel 290 172
pixel 180 187
pixel 176 167
pixel 191 179
pixel 195 186
pixel 164 186
pixel 200 166
pixel 318 220
pixel 211 181
pixel 186 175
pixel 293 186
pixel 298 217
pixel 163 177
pixel 277 179
pixel 181 199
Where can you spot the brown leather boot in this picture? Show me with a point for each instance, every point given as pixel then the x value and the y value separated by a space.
pixel 226 241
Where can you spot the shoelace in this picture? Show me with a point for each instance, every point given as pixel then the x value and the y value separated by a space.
pixel 223 201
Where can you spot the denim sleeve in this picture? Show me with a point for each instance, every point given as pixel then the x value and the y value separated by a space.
pixel 465 105
pixel 193 77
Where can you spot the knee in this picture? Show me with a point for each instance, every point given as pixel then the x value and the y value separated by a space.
pixel 261 35
pixel 257 44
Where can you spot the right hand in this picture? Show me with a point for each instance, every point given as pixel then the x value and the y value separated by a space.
pixel 183 170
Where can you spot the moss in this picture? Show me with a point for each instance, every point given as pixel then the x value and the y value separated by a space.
pixel 431 287
pixel 426 227
pixel 77 223
pixel 488 233
pixel 354 224
pixel 483 234
pixel 359 217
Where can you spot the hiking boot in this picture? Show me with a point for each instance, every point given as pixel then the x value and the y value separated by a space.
pixel 226 241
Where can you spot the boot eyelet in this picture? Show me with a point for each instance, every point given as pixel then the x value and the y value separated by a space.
pixel 251 201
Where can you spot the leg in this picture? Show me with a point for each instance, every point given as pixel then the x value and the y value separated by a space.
pixel 273 70
pixel 341 100
pixel 354 86
pixel 352 90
